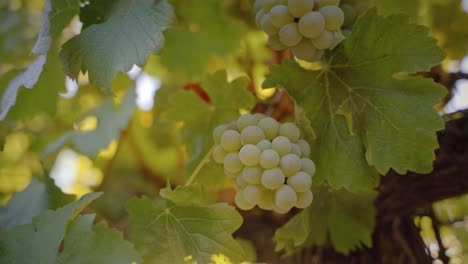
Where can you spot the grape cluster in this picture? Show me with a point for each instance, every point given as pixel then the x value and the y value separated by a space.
pixel 268 160
pixel 308 27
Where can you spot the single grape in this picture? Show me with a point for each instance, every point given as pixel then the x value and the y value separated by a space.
pixel 308 166
pixel 285 197
pixel 275 44
pixel 242 203
pixel 258 17
pixel 269 126
pixel 259 116
pixel 218 132
pixel 299 7
pixel 267 25
pixel 324 41
pixel 290 131
pixel 245 121
pixel 241 183
pixel 252 193
pixel 350 15
pixel 306 51
pixel 278 210
pixel 252 175
pixel 269 4
pixel 312 24
pixel 257 6
pixel 252 135
pixel 273 179
pixel 282 145
pixel 231 140
pixel 329 2
pixel 232 163
pixel 249 155
pixel 290 164
pixel 219 154
pixel 264 144
pixel 300 182
pixel 304 199
pixel 269 159
pixel 230 175
pixel 289 35
pixel 280 16
pixel 295 149
pixel 334 17
pixel 267 201
pixel 305 148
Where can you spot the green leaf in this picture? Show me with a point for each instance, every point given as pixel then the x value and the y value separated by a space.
pixel 388 7
pixel 346 218
pixel 364 110
pixel 194 194
pixel 39 241
pixel 96 244
pixel 110 124
pixel 132 31
pixel 167 233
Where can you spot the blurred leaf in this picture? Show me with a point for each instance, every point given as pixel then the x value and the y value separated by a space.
pixel 194 194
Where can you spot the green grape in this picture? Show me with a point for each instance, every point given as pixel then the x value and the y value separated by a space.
pixel 282 145
pixel 264 144
pixel 249 155
pixel 334 17
pixel 290 164
pixel 269 159
pixel 290 131
pixel 218 132
pixel 305 148
pixel 245 121
pixel 258 17
pixel 252 194
pixel 289 35
pixel 257 6
pixel 295 149
pixel 285 197
pixel 269 4
pixel 252 175
pixel 324 41
pixel 300 182
pixel 304 199
pixel 278 210
pixel 273 179
pixel 230 175
pixel 312 24
pixel 306 51
pixel 231 140
pixel 241 183
pixel 267 25
pixel 329 3
pixel 299 7
pixel 259 116
pixel 267 201
pixel 350 15
pixel 232 163
pixel 242 203
pixel 280 16
pixel 252 135
pixel 308 166
pixel 219 154
pixel 275 44
pixel 269 126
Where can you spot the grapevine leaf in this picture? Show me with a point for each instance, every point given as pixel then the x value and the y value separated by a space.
pixel 347 217
pixel 388 7
pixel 85 243
pixel 110 124
pixel 39 241
pixel 194 194
pixel 132 31
pixel 364 110
pixel 168 233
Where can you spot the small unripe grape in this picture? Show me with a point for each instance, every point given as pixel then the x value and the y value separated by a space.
pixel 242 203
pixel 280 16
pixel 334 17
pixel 259 116
pixel 219 154
pixel 245 121
pixel 282 145
pixel 264 144
pixel 252 194
pixel 267 25
pixel 329 3
pixel 241 183
pixel 290 164
pixel 304 199
pixel 273 179
pixel 300 182
pixel 289 35
pixel 252 175
pixel 232 163
pixel 308 166
pixel 218 132
pixel 305 148
pixel 312 24
pixel 252 135
pixel 290 131
pixel 350 15
pixel 306 51
pixel 285 198
pixel 269 159
pixel 249 155
pixel 275 44
pixel 295 149
pixel 269 4
pixel 299 7
pixel 270 126
pixel 324 41
pixel 231 140
pixel 267 202
pixel 258 17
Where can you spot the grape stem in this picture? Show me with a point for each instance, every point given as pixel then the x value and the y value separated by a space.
pixel 197 170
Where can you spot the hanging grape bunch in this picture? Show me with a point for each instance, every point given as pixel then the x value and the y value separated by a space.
pixel 268 160
pixel 308 27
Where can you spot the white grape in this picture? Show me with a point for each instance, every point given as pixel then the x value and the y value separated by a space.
pixel 252 175
pixel 278 210
pixel 290 164
pixel 264 144
pixel 282 145
pixel 242 203
pixel 290 131
pixel 334 17
pixel 259 116
pixel 231 140
pixel 273 179
pixel 269 159
pixel 312 24
pixel 232 163
pixel 295 149
pixel 258 17
pixel 258 5
pixel 304 199
pixel 350 15
pixel 241 183
pixel 230 175
pixel 245 121
pixel 299 7
pixel 219 154
pixel 275 43
pixel 308 166
pixel 252 135
pixel 270 126
pixel 329 2
pixel 285 197
pixel 305 148
pixel 249 155
pixel 267 25
pixel 280 16
pixel 218 132
pixel 289 35
pixel 269 4
pixel 252 194
pixel 306 51
pixel 267 202
pixel 300 182
pixel 324 41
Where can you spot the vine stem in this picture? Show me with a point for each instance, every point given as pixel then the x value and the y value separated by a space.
pixel 199 167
